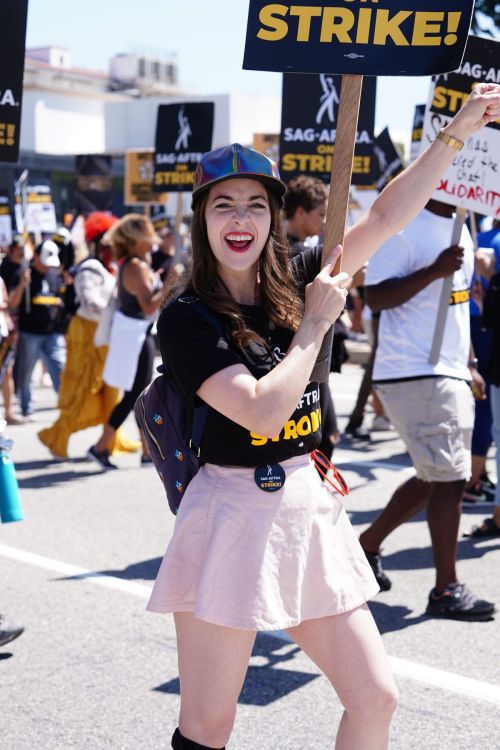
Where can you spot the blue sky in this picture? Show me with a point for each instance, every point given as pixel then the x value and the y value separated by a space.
pixel 207 37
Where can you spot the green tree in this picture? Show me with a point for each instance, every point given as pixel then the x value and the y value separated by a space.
pixel 486 18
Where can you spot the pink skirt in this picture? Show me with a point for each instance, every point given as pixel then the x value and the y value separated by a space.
pixel 244 558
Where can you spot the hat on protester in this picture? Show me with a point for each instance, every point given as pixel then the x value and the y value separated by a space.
pixel 236 161
pixel 97 224
pixel 62 236
pixel 48 252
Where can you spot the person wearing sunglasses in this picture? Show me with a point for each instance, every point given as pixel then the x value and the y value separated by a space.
pixel 260 542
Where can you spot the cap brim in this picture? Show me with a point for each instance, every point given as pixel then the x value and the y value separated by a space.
pixel 276 187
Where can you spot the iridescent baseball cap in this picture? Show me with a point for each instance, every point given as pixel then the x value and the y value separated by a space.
pixel 236 161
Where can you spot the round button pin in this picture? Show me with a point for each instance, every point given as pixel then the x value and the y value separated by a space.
pixel 270 478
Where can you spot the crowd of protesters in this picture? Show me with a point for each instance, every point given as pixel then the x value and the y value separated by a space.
pixel 87 313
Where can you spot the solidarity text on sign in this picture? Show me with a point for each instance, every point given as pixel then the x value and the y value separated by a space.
pixel 355 36
pixel 473 180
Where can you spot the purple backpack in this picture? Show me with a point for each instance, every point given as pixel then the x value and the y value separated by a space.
pixel 174 445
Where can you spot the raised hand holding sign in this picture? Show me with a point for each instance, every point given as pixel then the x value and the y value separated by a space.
pixel 355 38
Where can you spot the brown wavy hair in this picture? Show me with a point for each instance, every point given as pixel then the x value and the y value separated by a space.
pixel 276 285
pixel 126 233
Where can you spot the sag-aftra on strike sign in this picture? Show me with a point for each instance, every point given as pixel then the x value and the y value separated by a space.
pixel 361 37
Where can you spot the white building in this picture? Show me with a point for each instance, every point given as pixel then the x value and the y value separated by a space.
pixel 70 110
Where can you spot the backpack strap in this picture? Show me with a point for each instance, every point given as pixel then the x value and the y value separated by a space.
pixel 200 413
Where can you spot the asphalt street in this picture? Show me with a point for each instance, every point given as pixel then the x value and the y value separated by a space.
pixel 94 670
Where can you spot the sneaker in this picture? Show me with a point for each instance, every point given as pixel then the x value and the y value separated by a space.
pixel 475 495
pixel 101 458
pixel 146 460
pixel 457 602
pixel 375 563
pixel 381 424
pixel 357 433
pixel 487 485
pixel 8 630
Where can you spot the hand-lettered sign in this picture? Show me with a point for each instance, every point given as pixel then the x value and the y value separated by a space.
pixel 473 180
pixel 13 15
pixel 40 210
pixel 309 125
pixel 183 134
pixel 5 219
pixel 361 37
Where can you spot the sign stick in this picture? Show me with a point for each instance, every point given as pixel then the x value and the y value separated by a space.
pixel 444 299
pixel 338 199
pixel 179 215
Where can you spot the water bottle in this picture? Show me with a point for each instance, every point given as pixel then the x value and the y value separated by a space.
pixel 10 502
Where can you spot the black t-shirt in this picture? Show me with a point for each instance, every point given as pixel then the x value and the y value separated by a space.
pixel 11 273
pixel 192 350
pixel 45 315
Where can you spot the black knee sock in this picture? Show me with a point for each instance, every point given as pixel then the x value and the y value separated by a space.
pixel 182 743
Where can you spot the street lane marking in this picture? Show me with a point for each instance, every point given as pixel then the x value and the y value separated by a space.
pixel 439 678
pixel 374 465
pixel 73 571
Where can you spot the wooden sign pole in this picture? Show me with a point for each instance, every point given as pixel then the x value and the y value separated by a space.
pixel 444 299
pixel 338 199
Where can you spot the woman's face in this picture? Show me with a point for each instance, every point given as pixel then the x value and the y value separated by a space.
pixel 238 218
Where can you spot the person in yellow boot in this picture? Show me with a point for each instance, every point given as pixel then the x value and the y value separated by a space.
pixel 85 400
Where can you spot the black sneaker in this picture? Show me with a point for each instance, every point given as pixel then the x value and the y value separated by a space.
pixel 101 458
pixel 457 602
pixel 9 630
pixel 357 433
pixel 486 483
pixel 476 495
pixel 375 562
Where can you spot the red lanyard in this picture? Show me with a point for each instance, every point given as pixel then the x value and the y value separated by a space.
pixel 323 465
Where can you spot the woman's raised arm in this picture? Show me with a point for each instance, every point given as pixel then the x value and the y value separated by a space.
pixel 404 197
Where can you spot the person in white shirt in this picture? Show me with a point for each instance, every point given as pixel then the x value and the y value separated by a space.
pixel 431 405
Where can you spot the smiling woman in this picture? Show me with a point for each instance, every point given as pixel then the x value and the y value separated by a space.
pixel 259 542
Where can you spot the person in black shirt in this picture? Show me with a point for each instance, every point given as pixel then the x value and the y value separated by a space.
pixel 39 299
pixel 11 267
pixel 259 542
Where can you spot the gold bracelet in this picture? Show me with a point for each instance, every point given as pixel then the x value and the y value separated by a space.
pixel 450 140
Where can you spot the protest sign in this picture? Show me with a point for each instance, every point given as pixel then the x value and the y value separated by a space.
pixel 183 134
pixel 386 160
pixel 268 144
pixel 13 15
pixel 472 181
pixel 139 176
pixel 5 220
pixel 416 131
pixel 378 37
pixel 40 213
pixel 93 182
pixel 309 113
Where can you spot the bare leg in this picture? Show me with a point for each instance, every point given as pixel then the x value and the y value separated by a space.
pixel 212 665
pixel 8 394
pixel 349 651
pixel 478 467
pixel 406 502
pixel 443 516
pixel 107 436
pixel 377 405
